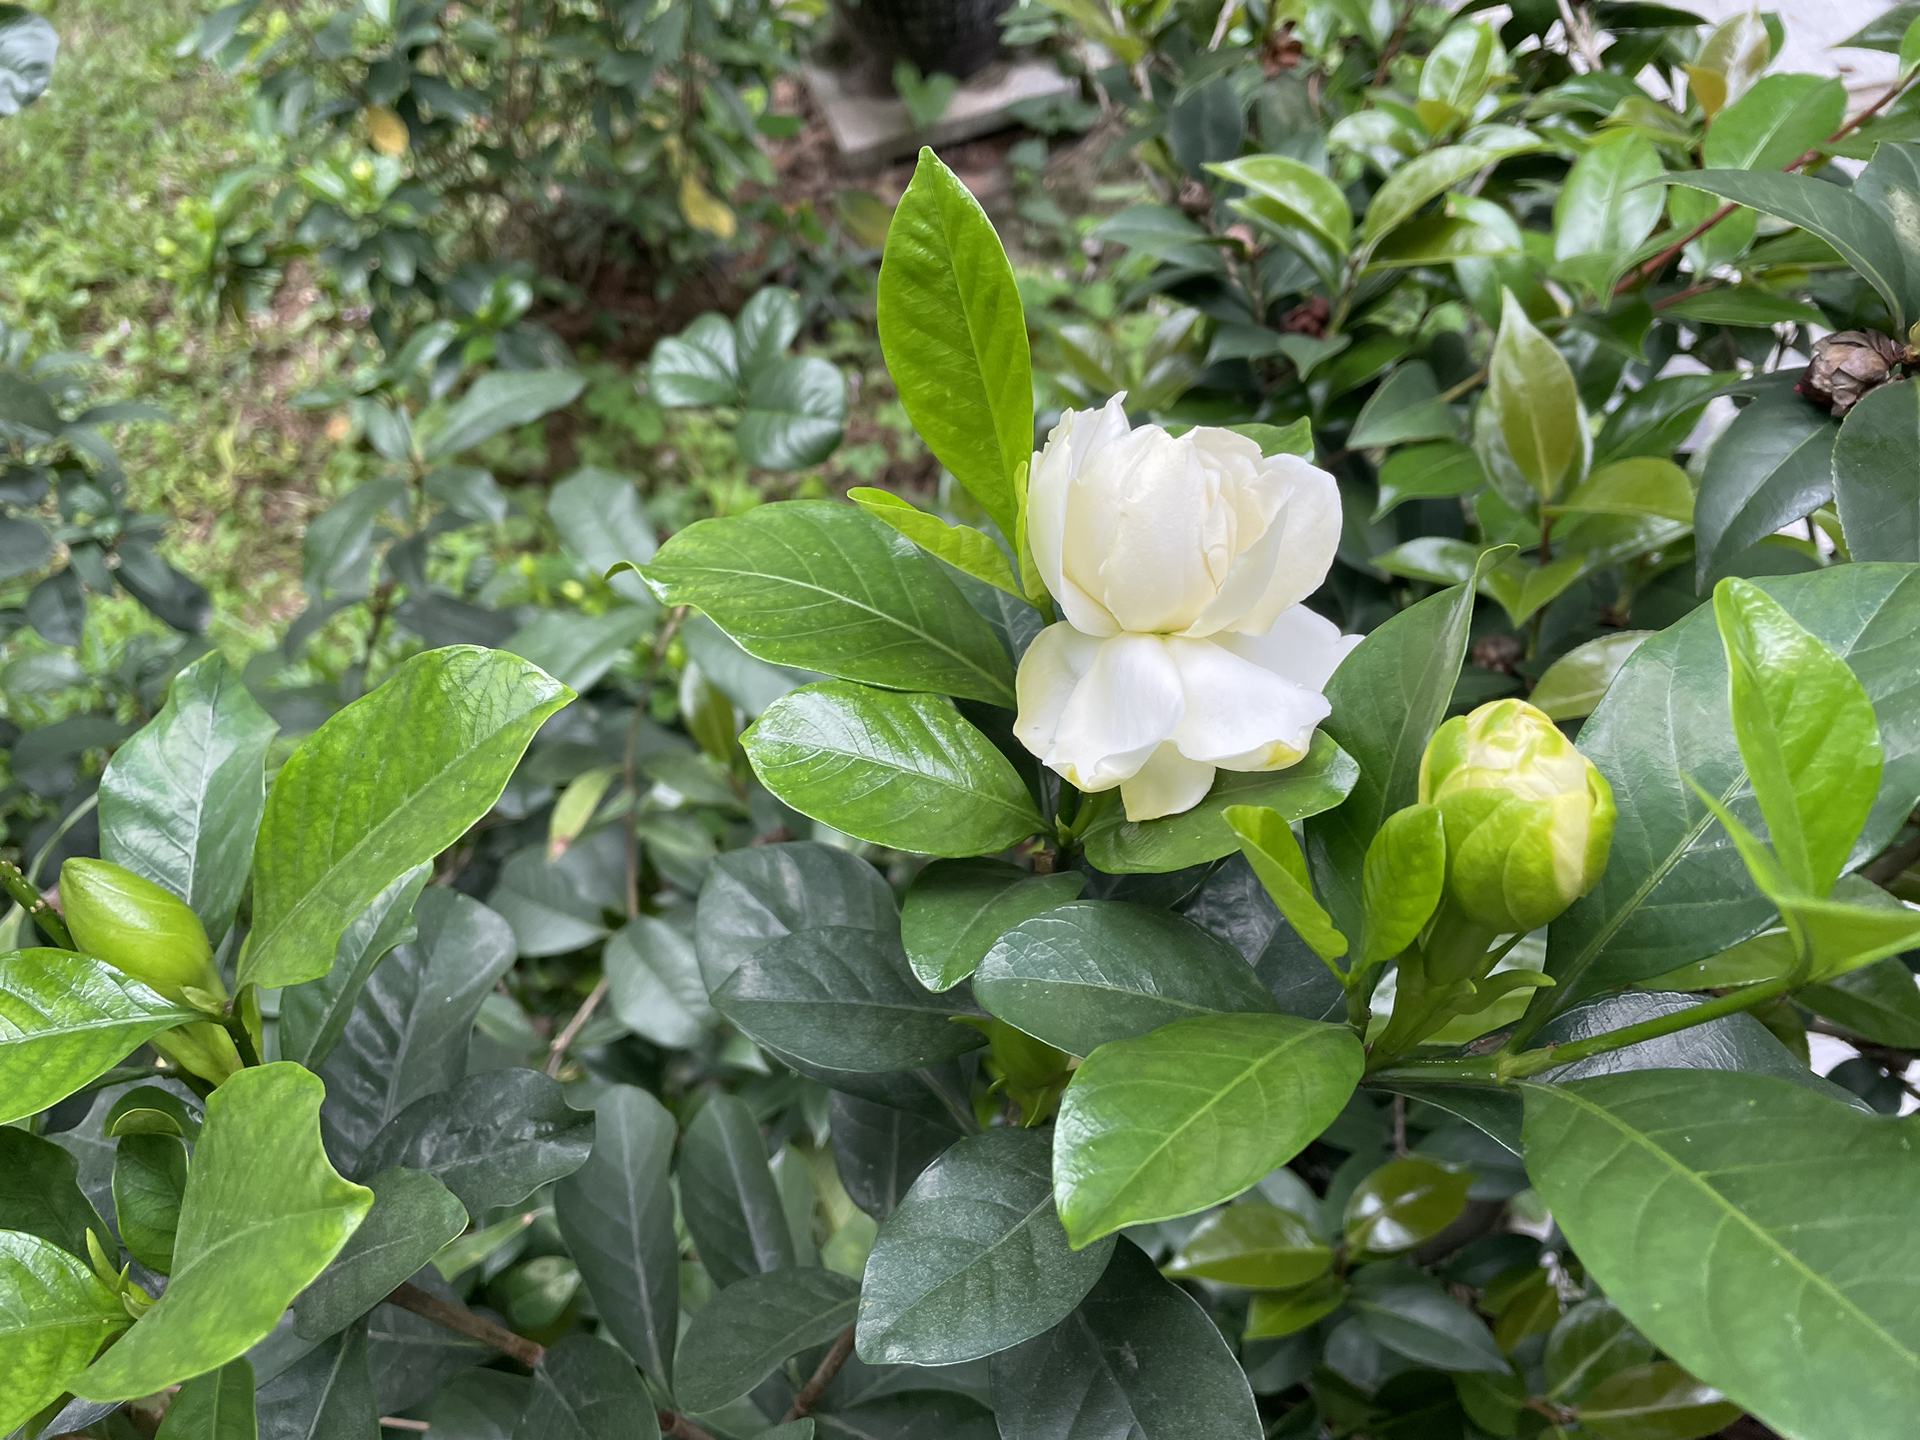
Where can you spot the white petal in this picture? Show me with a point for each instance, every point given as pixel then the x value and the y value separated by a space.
pixel 1306 553
pixel 1148 531
pixel 1128 702
pixel 1302 646
pixel 1056 662
pixel 1239 715
pixel 1079 434
pixel 1167 784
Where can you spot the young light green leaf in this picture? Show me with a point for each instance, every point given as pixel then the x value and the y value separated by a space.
pixel 974 1259
pixel 1876 474
pixel 1607 207
pixel 1641 485
pixel 822 585
pixel 954 336
pixel 1403 1203
pixel 66 1019
pixel 956 909
pixel 741 1337
pixel 1401 882
pixel 1535 427
pixel 900 770
pixel 1730 59
pixel 181 801
pixel 264 1214
pixel 1253 1244
pixel 1421 179
pixel 1741 1271
pixel 1100 970
pixel 1807 733
pixel 966 549
pixel 1575 683
pixel 1185 1117
pixel 1268 843
pixel 1304 207
pixel 448 727
pixel 502 400
pixel 54 1314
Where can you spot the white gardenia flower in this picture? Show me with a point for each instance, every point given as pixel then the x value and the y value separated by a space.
pixel 1179 565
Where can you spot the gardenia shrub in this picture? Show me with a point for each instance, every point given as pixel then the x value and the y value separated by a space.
pixel 1091 1074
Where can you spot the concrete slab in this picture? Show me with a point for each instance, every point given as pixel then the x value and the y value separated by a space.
pixel 871 130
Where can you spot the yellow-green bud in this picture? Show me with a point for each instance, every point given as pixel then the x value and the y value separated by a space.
pixel 1529 819
pixel 138 928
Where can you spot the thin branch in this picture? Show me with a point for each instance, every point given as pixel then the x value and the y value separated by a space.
pixel 680 1427
pixel 1580 37
pixel 38 909
pixel 558 1055
pixel 1394 44
pixel 457 1317
pixel 829 1367
pixel 399 1422
pixel 1893 862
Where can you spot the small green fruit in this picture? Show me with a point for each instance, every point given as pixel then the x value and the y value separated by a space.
pixel 1529 819
pixel 138 928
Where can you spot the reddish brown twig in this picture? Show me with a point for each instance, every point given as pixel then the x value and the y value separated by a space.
pixel 457 1317
pixel 823 1374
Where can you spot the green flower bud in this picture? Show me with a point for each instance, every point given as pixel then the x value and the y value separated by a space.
pixel 138 928
pixel 1528 817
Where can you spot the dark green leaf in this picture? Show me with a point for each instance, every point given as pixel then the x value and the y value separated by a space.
pixel 1120 846
pixel 956 910
pixel 1741 305
pixel 1428 472
pixel 728 1196
pixel 616 1213
pixel 181 801
pixel 654 984
pixel 65 1019
pixel 1745 1265
pixel 327 1394
pixel 586 1390
pixel 602 521
pixel 880 1151
pixel 57 608
pixel 955 337
pixel 974 1259
pixel 1591 1341
pixel 1658 1401
pixel 493 1139
pixel 24 546
pixel 1771 466
pixel 906 771
pixel 1407 406
pixel 753 897
pixel 40 1194
pixel 1403 1203
pixel 413 1217
pixel 1192 1114
pixel 1413 1316
pixel 741 1337
pixel 796 410
pixel 215 1406
pixel 314 1014
pixel 54 1313
pixel 1100 970
pixel 822 584
pixel 1137 1358
pixel 501 400
pixel 699 366
pixel 578 650
pixel 843 998
pixel 1878 1002
pixel 408 1032
pixel 542 903
pixel 907 1416
pixel 264 1214
pixel 448 728
pixel 149 1181
pixel 1876 474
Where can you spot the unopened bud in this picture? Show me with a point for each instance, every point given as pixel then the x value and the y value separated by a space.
pixel 138 928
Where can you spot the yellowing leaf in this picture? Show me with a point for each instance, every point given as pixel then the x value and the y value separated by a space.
pixel 386 130
pixel 704 210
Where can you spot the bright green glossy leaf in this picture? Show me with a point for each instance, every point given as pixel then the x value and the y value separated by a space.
pixel 1657 1401
pixel 1575 683
pixel 1437 559
pixel 181 801
pixel 844 999
pixel 449 727
pixel 1771 466
pixel 750 1327
pixel 1838 217
pixel 584 1389
pixel 1401 882
pixel 1306 209
pixel 1403 1203
pixel 413 1218
pixel 823 585
pixel 1743 305
pixel 616 1214
pixel 1775 123
pixel 65 1019
pixel 955 337
pixel 956 910
pixel 215 1406
pixel 1607 207
pixel 1876 474
pixel 1845 936
pixel 1412 1315
pixel 1456 74
pixel 264 1214
pixel 968 550
pixel 314 1014
pixel 1438 240
pixel 1746 1265
pixel 1535 425
pixel 1674 891
pixel 1275 1314
pixel 54 1313
pixel 1420 180
pixel 1591 1341
pixel 1641 485
pixel 699 366
pixel 1806 730
pixel 501 400
pixel 1424 472
pixel 1120 846
pixel 974 1259
pixel 1185 1117
pixel 149 1179
pixel 40 1194
pixel 1254 1244
pixel 1138 1357
pixel 905 771
pixel 728 1195
pixel 492 1139
pixel 1100 970
pixel 796 410
pixel 1267 840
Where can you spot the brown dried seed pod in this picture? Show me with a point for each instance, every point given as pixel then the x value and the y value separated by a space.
pixel 1848 364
